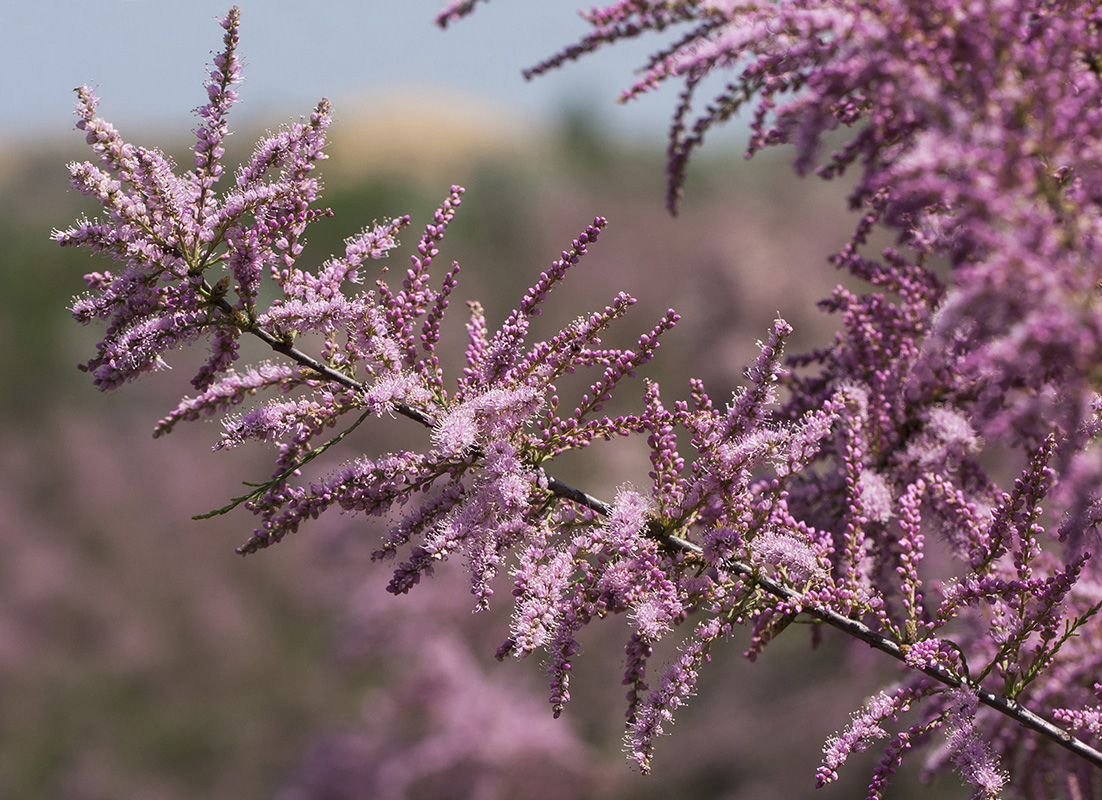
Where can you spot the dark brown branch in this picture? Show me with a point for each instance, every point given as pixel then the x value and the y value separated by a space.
pixel 859 630
pixel 306 360
pixel 560 489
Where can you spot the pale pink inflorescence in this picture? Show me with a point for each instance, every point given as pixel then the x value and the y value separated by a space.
pixel 832 485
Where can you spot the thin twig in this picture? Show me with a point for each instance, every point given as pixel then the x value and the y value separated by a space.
pixel 858 630
pixel 280 345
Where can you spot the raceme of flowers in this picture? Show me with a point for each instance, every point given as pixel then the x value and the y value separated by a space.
pixel 958 398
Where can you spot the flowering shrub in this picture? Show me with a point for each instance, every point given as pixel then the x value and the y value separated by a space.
pixel 958 398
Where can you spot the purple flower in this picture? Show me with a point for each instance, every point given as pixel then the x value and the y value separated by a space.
pixel 975 760
pixel 958 397
pixel 863 729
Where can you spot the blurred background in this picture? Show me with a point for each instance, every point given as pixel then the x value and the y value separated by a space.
pixel 140 657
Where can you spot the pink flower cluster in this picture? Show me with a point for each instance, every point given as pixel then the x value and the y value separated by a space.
pixel 868 500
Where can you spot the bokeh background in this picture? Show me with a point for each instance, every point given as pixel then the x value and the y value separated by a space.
pixel 140 657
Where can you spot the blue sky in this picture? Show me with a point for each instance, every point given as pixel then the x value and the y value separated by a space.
pixel 147 58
